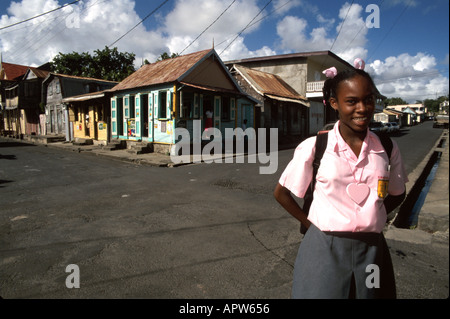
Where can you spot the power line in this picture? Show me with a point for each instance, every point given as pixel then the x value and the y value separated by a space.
pixel 364 26
pixel 40 15
pixel 409 76
pixel 29 45
pixel 339 32
pixel 246 26
pixel 267 15
pixel 389 31
pixel 148 15
pixel 208 27
pixel 342 25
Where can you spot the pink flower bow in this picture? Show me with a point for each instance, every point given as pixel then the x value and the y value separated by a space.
pixel 359 64
pixel 330 72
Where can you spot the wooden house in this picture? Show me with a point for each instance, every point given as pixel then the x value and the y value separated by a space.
pixel 23 102
pixel 180 92
pixel 56 88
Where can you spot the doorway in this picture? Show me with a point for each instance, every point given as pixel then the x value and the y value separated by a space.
pixel 144 111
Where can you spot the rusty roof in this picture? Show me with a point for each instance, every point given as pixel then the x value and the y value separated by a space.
pixel 13 71
pixel 79 77
pixel 165 71
pixel 268 83
pixel 41 74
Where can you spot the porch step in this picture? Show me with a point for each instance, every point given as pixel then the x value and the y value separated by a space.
pixel 115 145
pixel 83 141
pixel 140 148
pixel 45 139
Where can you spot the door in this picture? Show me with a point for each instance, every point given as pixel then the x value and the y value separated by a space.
pixel 152 114
pixel 247 114
pixel 137 116
pixel 52 121
pixel 113 116
pixel 217 111
pixel 126 114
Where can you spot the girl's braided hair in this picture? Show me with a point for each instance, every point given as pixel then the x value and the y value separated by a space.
pixel 331 85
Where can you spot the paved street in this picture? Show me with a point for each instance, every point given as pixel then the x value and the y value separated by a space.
pixel 194 231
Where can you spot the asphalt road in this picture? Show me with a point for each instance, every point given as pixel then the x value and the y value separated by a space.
pixel 196 231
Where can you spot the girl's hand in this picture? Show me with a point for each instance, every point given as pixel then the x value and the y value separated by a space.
pixel 284 197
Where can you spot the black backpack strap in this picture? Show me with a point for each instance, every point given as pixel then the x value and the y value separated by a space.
pixel 321 145
pixel 386 142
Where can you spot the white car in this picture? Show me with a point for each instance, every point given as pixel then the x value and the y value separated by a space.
pixel 395 128
pixel 387 127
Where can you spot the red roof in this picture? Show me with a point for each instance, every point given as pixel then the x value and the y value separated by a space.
pixel 13 71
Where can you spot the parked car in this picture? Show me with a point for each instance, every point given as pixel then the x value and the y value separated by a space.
pixel 387 127
pixel 441 121
pixel 376 126
pixel 395 128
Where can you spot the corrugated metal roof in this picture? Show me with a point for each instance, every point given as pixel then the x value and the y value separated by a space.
pixel 85 97
pixel 165 71
pixel 41 74
pixel 13 71
pixel 269 84
pixel 80 78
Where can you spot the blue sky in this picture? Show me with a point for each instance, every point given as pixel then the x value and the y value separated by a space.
pixel 407 54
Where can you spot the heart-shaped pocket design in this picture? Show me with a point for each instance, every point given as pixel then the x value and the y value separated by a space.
pixel 358 192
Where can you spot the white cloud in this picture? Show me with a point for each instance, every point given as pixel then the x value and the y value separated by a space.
pixel 351 34
pixel 283 6
pixel 101 22
pixel 86 26
pixel 410 77
pixel 182 29
pixel 293 35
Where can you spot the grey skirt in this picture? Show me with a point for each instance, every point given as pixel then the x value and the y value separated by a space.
pixel 332 265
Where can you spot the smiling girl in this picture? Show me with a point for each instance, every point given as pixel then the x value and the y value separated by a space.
pixel 344 253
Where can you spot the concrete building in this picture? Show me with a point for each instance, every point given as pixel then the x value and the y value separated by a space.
pixel 303 73
pixel 417 112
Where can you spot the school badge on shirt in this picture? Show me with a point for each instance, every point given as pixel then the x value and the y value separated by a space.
pixel 383 184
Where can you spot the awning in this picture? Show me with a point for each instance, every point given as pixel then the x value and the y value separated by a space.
pixel 84 97
pixel 409 111
pixel 211 88
pixel 286 99
pixel 220 90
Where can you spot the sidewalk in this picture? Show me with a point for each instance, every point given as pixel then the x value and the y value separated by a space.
pixel 152 159
pixel 434 215
pixel 433 218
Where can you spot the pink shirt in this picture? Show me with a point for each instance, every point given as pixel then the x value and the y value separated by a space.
pixel 332 208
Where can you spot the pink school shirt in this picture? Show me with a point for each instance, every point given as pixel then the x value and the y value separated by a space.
pixel 332 208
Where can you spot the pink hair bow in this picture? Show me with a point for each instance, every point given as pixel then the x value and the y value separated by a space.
pixel 359 64
pixel 330 72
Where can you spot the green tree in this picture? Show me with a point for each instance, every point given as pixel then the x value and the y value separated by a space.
pixel 394 101
pixel 71 63
pixel 166 56
pixel 107 64
pixel 433 104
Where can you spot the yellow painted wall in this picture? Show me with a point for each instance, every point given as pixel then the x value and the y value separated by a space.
pixel 102 131
pixel 97 130
pixel 78 127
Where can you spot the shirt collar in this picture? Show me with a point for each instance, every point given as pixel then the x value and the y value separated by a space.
pixel 371 143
